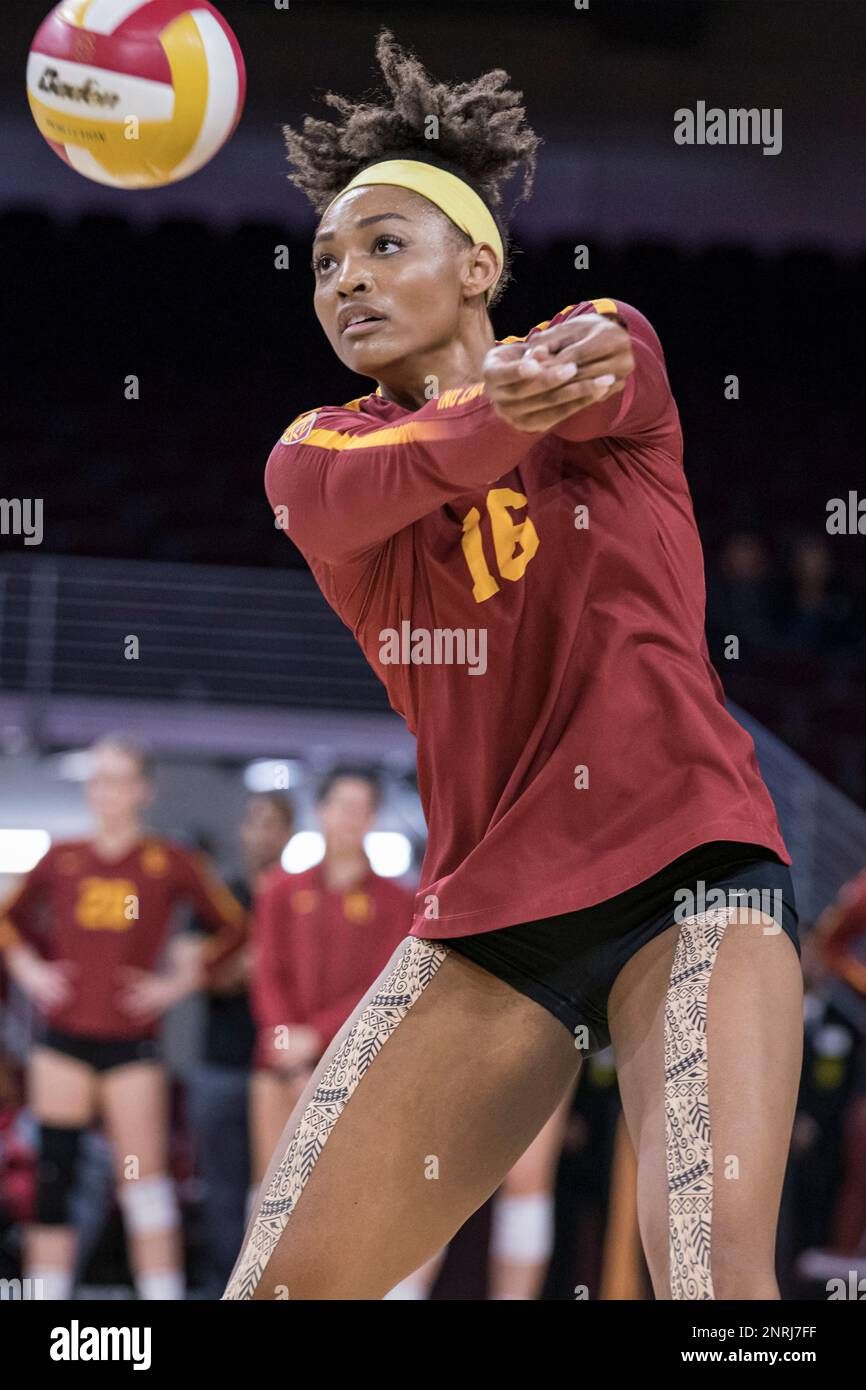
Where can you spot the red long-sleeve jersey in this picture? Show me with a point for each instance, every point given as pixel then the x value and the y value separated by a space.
pixel 316 951
pixel 848 926
pixel 534 604
pixel 104 915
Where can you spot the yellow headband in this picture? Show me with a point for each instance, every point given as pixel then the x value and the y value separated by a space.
pixel 456 199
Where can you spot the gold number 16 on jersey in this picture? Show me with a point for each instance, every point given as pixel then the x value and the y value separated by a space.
pixel 508 536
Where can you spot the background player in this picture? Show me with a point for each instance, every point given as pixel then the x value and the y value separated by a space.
pixel 83 937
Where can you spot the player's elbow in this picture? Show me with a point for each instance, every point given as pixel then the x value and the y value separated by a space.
pixel 302 513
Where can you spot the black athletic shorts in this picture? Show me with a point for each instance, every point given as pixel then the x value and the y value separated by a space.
pixel 568 963
pixel 101 1053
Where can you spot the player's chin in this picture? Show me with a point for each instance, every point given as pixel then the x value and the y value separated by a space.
pixel 370 357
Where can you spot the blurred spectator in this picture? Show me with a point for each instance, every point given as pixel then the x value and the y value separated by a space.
pixel 740 599
pixel 839 932
pixel 816 608
pixel 818 1139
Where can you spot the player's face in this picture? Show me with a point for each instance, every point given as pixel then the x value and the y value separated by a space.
pixel 347 814
pixel 117 792
pixel 264 832
pixel 394 252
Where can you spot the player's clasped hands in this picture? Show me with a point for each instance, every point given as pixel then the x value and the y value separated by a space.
pixel 146 996
pixel 560 370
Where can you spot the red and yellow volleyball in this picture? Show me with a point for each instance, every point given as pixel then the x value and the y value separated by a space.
pixel 136 93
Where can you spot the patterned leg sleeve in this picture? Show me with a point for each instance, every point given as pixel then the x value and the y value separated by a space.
pixel 688 1141
pixel 418 963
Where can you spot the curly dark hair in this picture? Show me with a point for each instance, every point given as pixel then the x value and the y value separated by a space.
pixel 482 136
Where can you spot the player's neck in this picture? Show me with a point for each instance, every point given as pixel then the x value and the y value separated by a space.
pixel 115 840
pixel 421 377
pixel 343 871
pixel 255 872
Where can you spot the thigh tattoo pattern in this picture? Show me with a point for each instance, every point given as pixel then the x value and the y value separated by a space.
pixel 418 963
pixel 688 1140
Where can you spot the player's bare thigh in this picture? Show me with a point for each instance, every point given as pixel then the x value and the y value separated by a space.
pixel 134 1100
pixel 459 1090
pixel 61 1090
pixel 754 1047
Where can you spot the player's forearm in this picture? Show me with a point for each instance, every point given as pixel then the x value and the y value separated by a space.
pixel 597 421
pixel 268 993
pixel 222 946
pixel 185 964
pixel 338 495
pixel 837 929
pixel 18 958
pixel 626 413
pixel 643 409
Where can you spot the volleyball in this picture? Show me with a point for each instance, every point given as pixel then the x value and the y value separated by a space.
pixel 135 93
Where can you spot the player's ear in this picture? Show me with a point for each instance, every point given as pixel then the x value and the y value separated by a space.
pixel 480 270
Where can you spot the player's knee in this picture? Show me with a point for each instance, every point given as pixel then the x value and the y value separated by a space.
pixel 740 1264
pixel 149 1205
pixel 734 1281
pixel 55 1174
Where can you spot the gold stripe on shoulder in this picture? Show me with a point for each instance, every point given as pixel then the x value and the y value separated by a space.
pixel 604 306
pixel 289 435
pixel 414 430
pixel 513 338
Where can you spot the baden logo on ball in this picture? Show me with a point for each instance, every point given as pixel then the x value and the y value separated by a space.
pixel 136 93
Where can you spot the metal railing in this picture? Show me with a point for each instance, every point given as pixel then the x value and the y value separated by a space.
pixel 152 630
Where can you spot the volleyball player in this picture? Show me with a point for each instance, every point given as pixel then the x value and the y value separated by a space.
pixel 83 937
pixel 595 814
